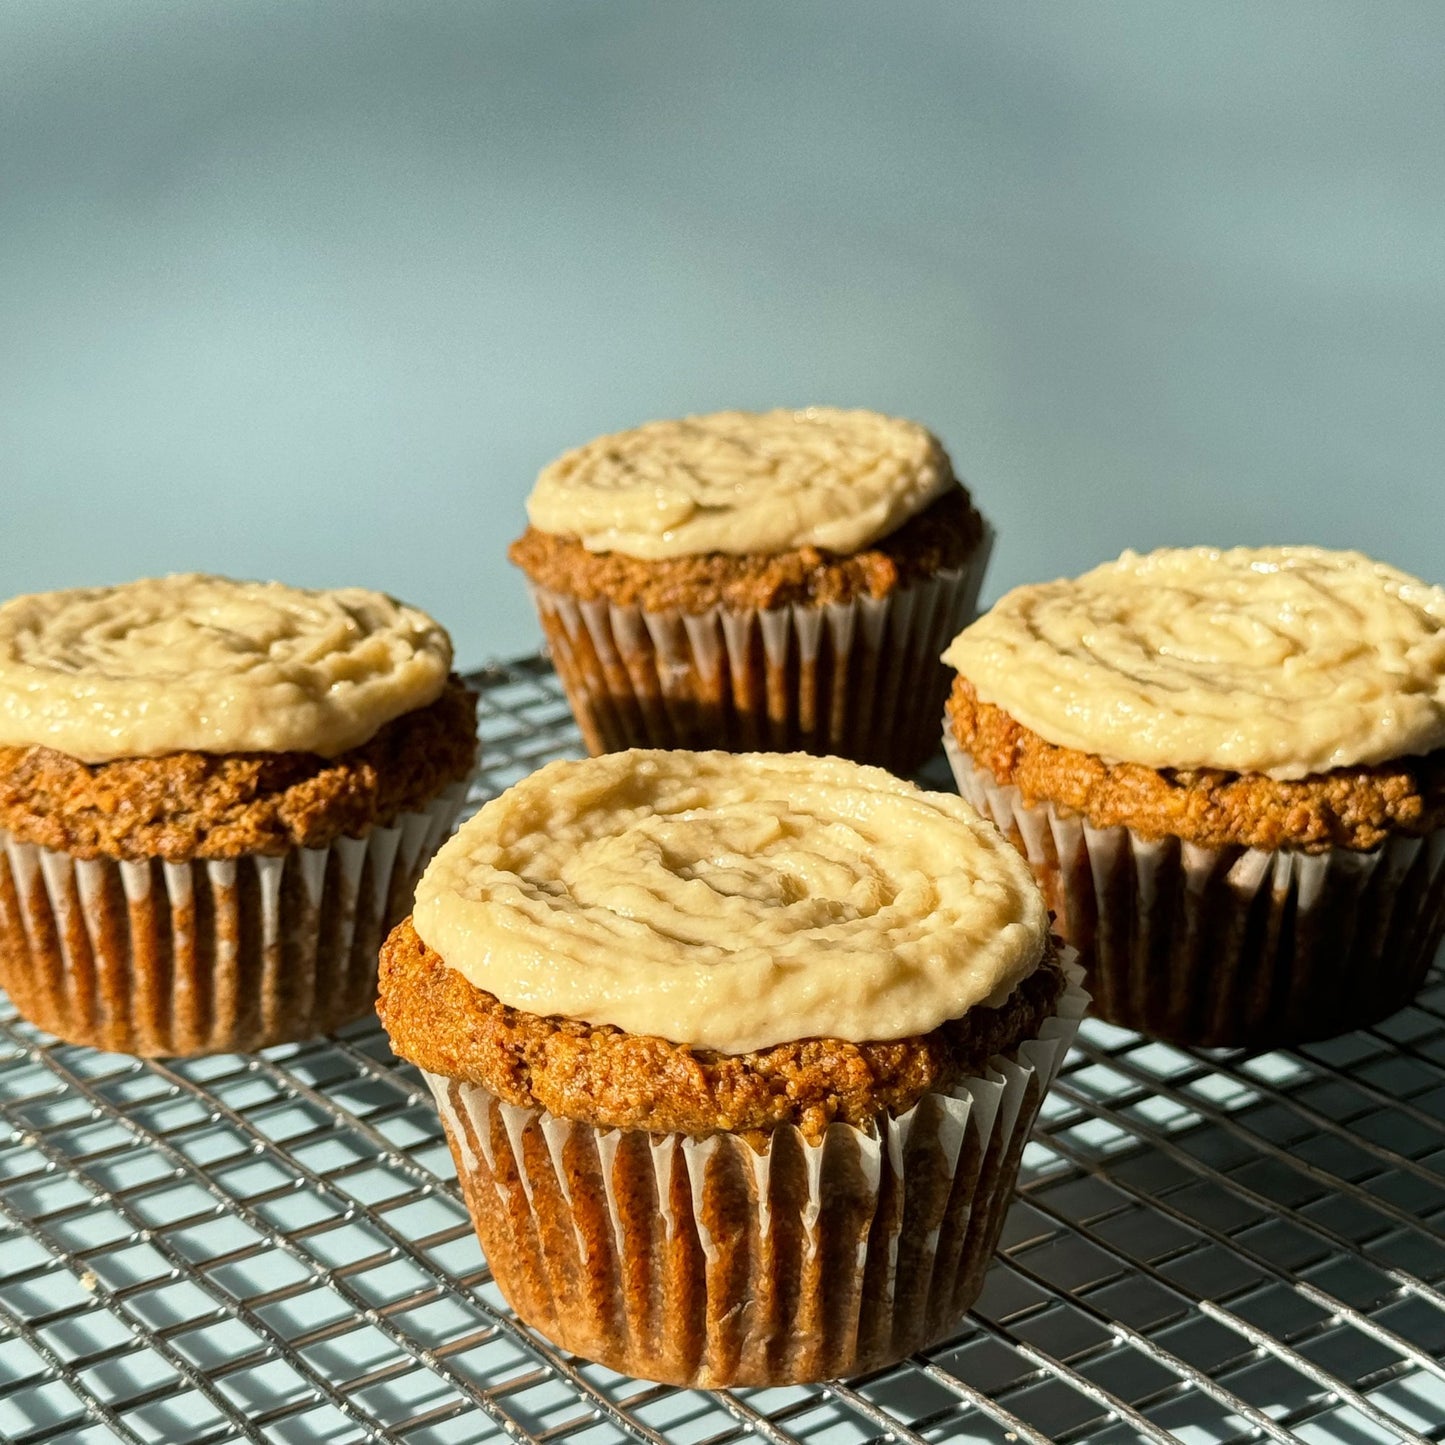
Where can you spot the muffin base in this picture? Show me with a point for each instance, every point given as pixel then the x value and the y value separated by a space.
pixel 208 956
pixel 709 1262
pixel 1227 946
pixel 858 679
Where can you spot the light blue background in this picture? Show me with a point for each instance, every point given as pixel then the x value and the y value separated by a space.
pixel 312 290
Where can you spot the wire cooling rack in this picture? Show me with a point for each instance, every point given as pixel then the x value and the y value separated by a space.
pixel 1206 1248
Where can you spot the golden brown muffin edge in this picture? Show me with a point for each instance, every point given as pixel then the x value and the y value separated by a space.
pixel 606 1077
pixel 203 805
pixel 941 537
pixel 1353 808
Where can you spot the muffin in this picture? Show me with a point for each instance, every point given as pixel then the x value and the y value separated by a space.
pixel 215 799
pixel 1228 771
pixel 780 580
pixel 736 1055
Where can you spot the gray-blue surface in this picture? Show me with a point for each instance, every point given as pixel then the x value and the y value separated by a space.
pixel 311 290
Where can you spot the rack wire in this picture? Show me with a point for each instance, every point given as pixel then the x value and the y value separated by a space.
pixel 1207 1247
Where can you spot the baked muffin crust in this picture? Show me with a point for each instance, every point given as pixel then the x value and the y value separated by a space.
pixel 202 805
pixel 942 536
pixel 611 1079
pixel 1355 808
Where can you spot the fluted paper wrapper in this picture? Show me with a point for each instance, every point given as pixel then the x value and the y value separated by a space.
pixel 860 679
pixel 207 956
pixel 1227 946
pixel 711 1262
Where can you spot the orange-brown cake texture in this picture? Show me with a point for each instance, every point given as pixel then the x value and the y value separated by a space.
pixel 1356 808
pixel 943 536
pixel 706 1031
pixel 216 797
pixel 742 580
pixel 604 1076
pixel 1227 769
pixel 203 805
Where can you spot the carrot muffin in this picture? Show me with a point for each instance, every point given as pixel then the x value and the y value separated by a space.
pixel 779 579
pixel 736 1055
pixel 1228 771
pixel 215 798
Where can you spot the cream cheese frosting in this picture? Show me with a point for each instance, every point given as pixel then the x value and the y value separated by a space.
pixel 1287 661
pixel 733 901
pixel 743 483
pixel 207 664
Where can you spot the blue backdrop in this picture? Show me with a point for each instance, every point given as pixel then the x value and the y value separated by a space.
pixel 311 290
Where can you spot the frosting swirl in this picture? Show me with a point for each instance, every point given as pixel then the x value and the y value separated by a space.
pixel 1286 661
pixel 743 483
pixel 733 901
pixel 207 664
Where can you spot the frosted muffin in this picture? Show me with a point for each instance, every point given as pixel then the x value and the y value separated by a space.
pixel 1228 770
pixel 215 798
pixel 779 579
pixel 736 1055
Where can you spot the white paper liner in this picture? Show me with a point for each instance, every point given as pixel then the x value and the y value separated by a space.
pixel 859 679
pixel 160 958
pixel 1227 946
pixel 707 1262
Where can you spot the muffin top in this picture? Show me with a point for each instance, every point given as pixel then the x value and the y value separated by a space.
pixel 207 664
pixel 733 901
pixel 743 483
pixel 1284 661
pixel 615 1080
pixel 227 805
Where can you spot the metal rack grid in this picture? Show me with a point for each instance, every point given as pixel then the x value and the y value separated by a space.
pixel 1207 1248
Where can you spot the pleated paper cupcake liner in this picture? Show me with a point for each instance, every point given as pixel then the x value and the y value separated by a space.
pixel 711 1262
pixel 207 956
pixel 1227 946
pixel 861 679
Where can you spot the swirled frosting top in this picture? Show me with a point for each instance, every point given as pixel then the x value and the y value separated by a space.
pixel 206 664
pixel 733 901
pixel 1279 660
pixel 743 483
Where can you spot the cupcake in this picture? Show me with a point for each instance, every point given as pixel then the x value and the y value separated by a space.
pixel 736 1055
pixel 215 799
pixel 1228 771
pixel 780 580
